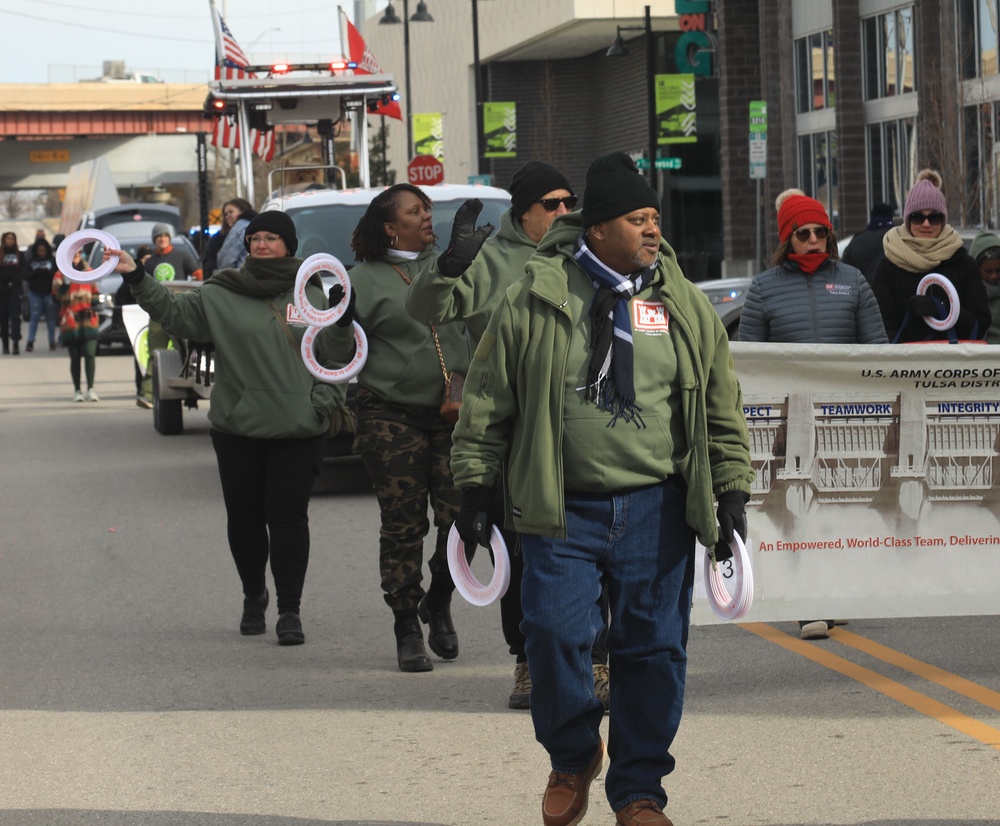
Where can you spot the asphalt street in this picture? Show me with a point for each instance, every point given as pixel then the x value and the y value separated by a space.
pixel 128 696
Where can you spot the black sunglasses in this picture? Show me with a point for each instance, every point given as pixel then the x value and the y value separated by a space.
pixel 820 232
pixel 936 218
pixel 552 204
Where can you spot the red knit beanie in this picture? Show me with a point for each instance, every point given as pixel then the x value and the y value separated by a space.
pixel 797 210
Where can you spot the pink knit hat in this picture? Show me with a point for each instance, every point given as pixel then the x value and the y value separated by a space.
pixel 796 210
pixel 925 195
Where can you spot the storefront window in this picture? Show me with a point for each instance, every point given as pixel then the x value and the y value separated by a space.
pixel 979 33
pixel 887 58
pixel 891 151
pixel 815 82
pixel 818 161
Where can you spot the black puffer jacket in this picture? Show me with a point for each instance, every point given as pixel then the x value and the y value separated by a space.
pixel 894 287
pixel 834 305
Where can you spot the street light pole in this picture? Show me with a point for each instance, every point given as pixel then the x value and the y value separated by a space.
pixel 651 97
pixel 406 70
pixel 478 87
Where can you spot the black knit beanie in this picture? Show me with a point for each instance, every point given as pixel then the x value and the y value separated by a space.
pixel 279 223
pixel 615 187
pixel 531 182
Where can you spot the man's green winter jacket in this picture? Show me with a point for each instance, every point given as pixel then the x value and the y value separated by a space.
pixel 473 296
pixel 514 397
pixel 262 388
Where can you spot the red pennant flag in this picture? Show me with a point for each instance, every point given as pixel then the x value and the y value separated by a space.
pixel 358 52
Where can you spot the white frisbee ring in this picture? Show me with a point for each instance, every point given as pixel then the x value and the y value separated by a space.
pixel 76 241
pixel 935 279
pixel 725 606
pixel 335 375
pixel 465 581
pixel 320 262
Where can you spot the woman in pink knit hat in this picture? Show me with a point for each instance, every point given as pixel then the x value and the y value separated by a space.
pixel 923 244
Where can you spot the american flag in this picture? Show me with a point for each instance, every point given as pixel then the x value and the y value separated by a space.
pixel 232 66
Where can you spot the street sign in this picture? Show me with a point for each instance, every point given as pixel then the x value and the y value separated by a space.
pixel 425 169
pixel 661 163
pixel 758 139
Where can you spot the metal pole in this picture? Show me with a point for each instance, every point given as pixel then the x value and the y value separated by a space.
pixel 409 98
pixel 651 97
pixel 246 152
pixel 479 88
pixel 759 245
pixel 361 124
pixel 202 151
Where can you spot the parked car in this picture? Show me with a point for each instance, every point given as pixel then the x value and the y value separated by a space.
pixel 132 220
pixel 728 295
pixel 110 328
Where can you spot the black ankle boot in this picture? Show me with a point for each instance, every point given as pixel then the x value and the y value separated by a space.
pixel 252 622
pixel 435 612
pixel 6 347
pixel 410 652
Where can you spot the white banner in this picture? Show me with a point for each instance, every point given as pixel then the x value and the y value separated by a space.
pixel 877 480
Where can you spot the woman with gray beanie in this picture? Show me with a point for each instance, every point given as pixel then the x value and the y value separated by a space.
pixel 927 243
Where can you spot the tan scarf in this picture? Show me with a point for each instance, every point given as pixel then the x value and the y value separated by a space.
pixel 920 255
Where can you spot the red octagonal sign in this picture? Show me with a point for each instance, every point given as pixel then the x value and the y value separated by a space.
pixel 425 169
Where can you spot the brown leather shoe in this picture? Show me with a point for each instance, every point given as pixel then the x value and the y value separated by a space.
pixel 642 811
pixel 566 795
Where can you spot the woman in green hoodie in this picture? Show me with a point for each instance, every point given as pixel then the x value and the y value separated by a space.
pixel 269 416
pixel 400 433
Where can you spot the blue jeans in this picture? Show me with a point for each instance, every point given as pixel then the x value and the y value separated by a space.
pixel 41 305
pixel 639 541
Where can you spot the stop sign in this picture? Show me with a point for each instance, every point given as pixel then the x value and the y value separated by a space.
pixel 425 169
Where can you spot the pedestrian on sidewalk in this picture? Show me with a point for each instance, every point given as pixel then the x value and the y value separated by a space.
pixel 12 270
pixel 41 271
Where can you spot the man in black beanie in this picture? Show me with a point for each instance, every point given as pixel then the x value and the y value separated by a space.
pixel 606 397
pixel 540 193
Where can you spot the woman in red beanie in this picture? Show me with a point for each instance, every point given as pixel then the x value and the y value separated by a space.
pixel 923 244
pixel 809 296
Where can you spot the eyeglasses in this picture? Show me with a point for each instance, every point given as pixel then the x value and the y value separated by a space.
pixel 803 234
pixel 256 240
pixel 552 204
pixel 935 218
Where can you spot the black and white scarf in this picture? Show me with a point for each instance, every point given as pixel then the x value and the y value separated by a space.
pixel 610 382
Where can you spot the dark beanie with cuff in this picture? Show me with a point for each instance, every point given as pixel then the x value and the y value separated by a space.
pixel 272 220
pixel 615 187
pixel 531 182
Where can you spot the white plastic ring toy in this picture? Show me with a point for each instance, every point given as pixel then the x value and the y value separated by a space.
pixel 937 280
pixel 321 262
pixel 465 581
pixel 336 375
pixel 725 606
pixel 76 241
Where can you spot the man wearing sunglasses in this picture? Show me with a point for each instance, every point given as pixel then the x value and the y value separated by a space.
pixel 540 193
pixel 927 243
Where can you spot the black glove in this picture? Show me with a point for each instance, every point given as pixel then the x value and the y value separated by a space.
pixel 475 518
pixel 732 517
pixel 466 239
pixel 135 276
pixel 921 305
pixel 336 295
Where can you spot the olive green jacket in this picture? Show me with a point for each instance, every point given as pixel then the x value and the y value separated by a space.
pixel 514 397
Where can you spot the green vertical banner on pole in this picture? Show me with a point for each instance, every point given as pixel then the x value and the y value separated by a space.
pixel 500 129
pixel 675 109
pixel 428 135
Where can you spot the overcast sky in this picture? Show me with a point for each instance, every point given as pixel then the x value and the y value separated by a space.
pixel 63 41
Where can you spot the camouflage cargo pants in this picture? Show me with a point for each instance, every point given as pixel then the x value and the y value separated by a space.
pixel 407 451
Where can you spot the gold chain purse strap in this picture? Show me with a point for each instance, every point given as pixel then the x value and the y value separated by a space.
pixel 437 344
